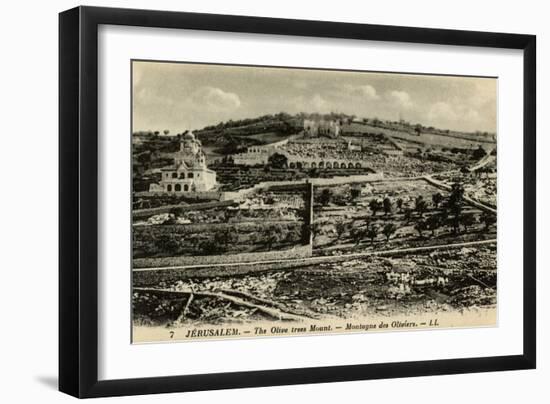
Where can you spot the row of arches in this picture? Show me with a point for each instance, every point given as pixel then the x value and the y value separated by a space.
pixel 256 150
pixel 177 188
pixel 323 164
pixel 181 175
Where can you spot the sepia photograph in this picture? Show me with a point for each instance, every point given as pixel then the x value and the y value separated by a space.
pixel 287 201
pixel 250 201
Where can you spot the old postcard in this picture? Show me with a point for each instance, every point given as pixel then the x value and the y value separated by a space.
pixel 274 201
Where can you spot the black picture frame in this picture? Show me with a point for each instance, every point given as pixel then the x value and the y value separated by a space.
pixel 78 201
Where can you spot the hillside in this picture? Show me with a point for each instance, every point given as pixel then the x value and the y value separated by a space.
pixel 234 136
pixel 231 136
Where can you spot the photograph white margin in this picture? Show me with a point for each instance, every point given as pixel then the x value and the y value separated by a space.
pixel 118 358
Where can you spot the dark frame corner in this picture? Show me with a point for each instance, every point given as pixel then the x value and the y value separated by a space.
pixel 78 112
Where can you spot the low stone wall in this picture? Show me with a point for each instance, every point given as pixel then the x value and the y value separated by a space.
pixel 351 179
pixel 202 196
pixel 251 159
pixel 302 251
pixel 348 180
pixel 153 277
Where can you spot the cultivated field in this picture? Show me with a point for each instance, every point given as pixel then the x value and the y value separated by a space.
pixel 392 214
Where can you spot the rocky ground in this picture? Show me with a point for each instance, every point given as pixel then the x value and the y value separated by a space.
pixel 439 281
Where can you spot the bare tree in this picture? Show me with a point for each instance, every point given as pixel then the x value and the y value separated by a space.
pixel 388 230
pixel 420 226
pixel 387 205
pixel 399 204
pixel 372 232
pixel 454 204
pixel 375 206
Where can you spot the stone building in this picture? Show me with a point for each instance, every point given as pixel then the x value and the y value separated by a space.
pixel 189 172
pixel 321 127
pixel 354 146
pixel 258 155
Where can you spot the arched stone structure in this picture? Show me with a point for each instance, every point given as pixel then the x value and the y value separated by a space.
pixel 299 165
pixel 292 165
pixel 328 164
pixel 177 188
pixel 350 165
pixel 313 165
pixel 321 164
pixel 169 188
pixel 335 165
pixel 357 165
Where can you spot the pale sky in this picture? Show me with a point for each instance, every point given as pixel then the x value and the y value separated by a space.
pixel 180 96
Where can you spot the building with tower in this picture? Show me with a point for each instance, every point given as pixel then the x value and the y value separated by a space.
pixel 321 127
pixel 189 172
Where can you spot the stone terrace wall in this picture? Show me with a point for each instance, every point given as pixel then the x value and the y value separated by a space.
pixel 153 277
pixel 348 180
pixel 203 196
pixel 144 213
pixel 351 179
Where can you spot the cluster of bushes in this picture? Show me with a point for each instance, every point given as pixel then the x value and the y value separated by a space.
pixel 173 240
pixel 443 211
pixel 147 202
